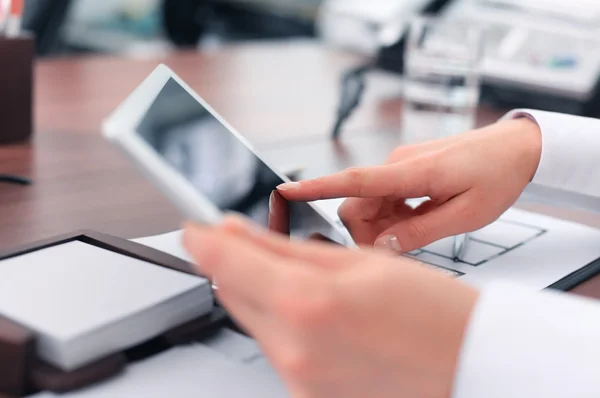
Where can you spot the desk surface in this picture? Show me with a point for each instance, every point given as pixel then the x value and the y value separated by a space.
pixel 277 95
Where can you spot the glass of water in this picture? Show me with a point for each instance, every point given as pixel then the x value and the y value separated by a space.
pixel 443 61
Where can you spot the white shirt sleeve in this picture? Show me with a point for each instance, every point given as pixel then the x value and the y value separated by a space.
pixel 569 169
pixel 522 343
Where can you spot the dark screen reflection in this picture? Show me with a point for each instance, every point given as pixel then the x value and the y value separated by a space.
pixel 221 167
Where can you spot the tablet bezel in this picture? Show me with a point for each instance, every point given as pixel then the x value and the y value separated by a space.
pixel 120 129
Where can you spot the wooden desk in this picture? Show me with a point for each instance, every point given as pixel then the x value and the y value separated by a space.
pixel 275 94
pixel 267 91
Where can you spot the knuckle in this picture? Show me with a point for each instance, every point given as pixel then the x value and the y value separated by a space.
pixel 436 160
pixel 307 311
pixel 316 186
pixel 355 173
pixel 355 177
pixel 282 301
pixel 317 312
pixel 282 296
pixel 296 363
pixel 472 215
pixel 466 211
pixel 345 210
pixel 210 254
pixel 419 232
pixel 432 168
pixel 402 185
pixel 442 182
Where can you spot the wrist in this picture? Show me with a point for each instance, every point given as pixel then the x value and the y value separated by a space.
pixel 466 300
pixel 526 136
pixel 532 135
pixel 446 335
pixel 454 333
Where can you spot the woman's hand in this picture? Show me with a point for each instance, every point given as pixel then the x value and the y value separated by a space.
pixel 471 179
pixel 336 322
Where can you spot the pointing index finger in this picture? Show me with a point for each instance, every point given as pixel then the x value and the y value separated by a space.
pixel 400 179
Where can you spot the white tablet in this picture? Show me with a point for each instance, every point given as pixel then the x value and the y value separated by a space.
pixel 202 165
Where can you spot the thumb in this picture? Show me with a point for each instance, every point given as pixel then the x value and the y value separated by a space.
pixel 449 219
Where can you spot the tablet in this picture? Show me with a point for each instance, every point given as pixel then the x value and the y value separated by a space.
pixel 202 165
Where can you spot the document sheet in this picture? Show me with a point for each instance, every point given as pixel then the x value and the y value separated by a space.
pixel 228 365
pixel 528 248
pixel 522 247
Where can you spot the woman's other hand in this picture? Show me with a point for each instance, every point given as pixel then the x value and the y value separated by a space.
pixel 337 322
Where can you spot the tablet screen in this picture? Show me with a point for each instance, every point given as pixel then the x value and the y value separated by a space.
pixel 221 167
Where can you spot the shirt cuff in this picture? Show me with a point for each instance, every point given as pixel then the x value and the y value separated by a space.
pixel 523 343
pixel 569 151
pixel 551 142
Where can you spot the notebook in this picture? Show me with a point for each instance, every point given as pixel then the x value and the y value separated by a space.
pixel 84 302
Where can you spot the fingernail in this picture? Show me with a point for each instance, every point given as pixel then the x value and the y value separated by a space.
pixel 271 202
pixel 388 242
pixel 288 186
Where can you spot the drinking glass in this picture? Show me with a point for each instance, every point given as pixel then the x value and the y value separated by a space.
pixel 442 76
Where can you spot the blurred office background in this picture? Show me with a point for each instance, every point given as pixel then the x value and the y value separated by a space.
pixel 538 53
pixel 127 27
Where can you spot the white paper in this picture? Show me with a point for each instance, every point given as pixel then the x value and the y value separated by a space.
pixel 237 347
pixel 195 371
pixel 169 243
pixel 528 248
pixel 75 296
pixel 524 247
pixel 243 350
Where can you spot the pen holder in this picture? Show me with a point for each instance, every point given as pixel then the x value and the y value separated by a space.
pixel 16 88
